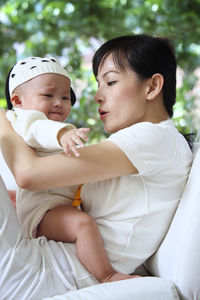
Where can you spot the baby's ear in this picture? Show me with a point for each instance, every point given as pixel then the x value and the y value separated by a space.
pixel 15 100
pixel 156 85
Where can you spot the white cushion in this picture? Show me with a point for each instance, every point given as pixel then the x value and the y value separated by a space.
pixel 178 257
pixel 145 288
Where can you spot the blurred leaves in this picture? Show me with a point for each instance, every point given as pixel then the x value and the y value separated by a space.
pixel 73 30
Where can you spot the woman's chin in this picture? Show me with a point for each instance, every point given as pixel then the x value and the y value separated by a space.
pixel 110 129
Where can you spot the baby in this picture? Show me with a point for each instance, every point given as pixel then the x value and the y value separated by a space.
pixel 38 90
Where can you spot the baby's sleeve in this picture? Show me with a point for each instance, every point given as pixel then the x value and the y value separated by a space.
pixel 36 129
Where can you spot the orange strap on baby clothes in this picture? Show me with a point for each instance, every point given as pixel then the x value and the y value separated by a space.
pixel 77 199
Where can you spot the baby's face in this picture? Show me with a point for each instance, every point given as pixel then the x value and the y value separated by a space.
pixel 48 93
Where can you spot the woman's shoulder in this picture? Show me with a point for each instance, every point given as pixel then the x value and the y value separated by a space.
pixel 147 143
pixel 146 132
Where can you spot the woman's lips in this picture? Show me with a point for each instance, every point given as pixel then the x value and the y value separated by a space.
pixel 102 114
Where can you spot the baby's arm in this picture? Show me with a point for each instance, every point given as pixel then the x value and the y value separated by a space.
pixel 40 132
pixel 70 139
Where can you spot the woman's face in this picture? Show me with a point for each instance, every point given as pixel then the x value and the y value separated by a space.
pixel 121 96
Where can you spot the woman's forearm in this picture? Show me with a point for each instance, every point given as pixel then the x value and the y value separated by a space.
pixel 96 162
pixel 35 173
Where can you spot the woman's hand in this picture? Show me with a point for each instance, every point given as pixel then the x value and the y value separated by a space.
pixel 4 123
pixel 17 154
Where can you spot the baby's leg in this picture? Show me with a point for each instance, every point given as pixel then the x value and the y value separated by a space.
pixel 68 224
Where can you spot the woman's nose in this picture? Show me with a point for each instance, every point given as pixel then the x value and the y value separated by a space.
pixel 98 96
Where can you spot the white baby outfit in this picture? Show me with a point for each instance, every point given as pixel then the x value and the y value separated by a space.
pixel 40 133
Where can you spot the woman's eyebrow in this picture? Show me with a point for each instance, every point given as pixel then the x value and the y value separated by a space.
pixel 110 71
pixel 107 72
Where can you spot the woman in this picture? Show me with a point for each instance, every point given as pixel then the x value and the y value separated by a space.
pixel 133 181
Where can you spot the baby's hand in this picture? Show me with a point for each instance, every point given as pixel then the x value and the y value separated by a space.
pixel 70 139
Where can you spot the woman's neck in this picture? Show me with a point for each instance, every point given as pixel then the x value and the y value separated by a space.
pixel 156 111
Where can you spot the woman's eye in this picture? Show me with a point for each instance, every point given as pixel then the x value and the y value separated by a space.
pixel 66 98
pixel 111 83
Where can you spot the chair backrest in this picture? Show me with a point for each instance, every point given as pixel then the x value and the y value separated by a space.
pixel 178 257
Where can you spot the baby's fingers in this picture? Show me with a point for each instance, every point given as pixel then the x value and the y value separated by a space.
pixel 78 140
pixel 82 133
pixel 73 145
pixel 66 149
pixel 84 129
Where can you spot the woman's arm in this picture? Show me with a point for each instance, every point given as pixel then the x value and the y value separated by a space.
pixel 96 162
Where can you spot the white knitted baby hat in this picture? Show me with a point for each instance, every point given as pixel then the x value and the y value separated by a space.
pixel 31 67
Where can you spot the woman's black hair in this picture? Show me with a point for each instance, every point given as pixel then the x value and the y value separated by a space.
pixel 7 93
pixel 146 55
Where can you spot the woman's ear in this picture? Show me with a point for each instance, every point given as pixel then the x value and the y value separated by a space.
pixel 155 86
pixel 15 100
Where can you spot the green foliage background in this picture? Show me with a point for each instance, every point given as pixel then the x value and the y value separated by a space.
pixel 73 30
